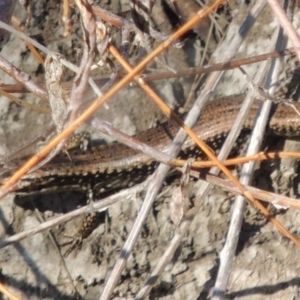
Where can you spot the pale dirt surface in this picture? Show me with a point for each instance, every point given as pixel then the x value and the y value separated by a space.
pixel 266 264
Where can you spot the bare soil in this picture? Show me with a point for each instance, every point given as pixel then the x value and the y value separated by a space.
pixel 266 263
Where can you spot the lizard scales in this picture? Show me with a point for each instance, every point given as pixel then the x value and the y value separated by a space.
pixel 106 166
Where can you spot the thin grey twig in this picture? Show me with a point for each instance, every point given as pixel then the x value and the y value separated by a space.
pixel 286 24
pixel 55 245
pixel 101 205
pixel 130 141
pixel 153 189
pixel 82 77
pixel 24 37
pixel 257 193
pixel 80 82
pixel 66 63
pixel 228 252
pixel 23 78
pixel 222 66
pixel 201 193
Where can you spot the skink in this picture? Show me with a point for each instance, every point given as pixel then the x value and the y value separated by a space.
pixel 102 165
